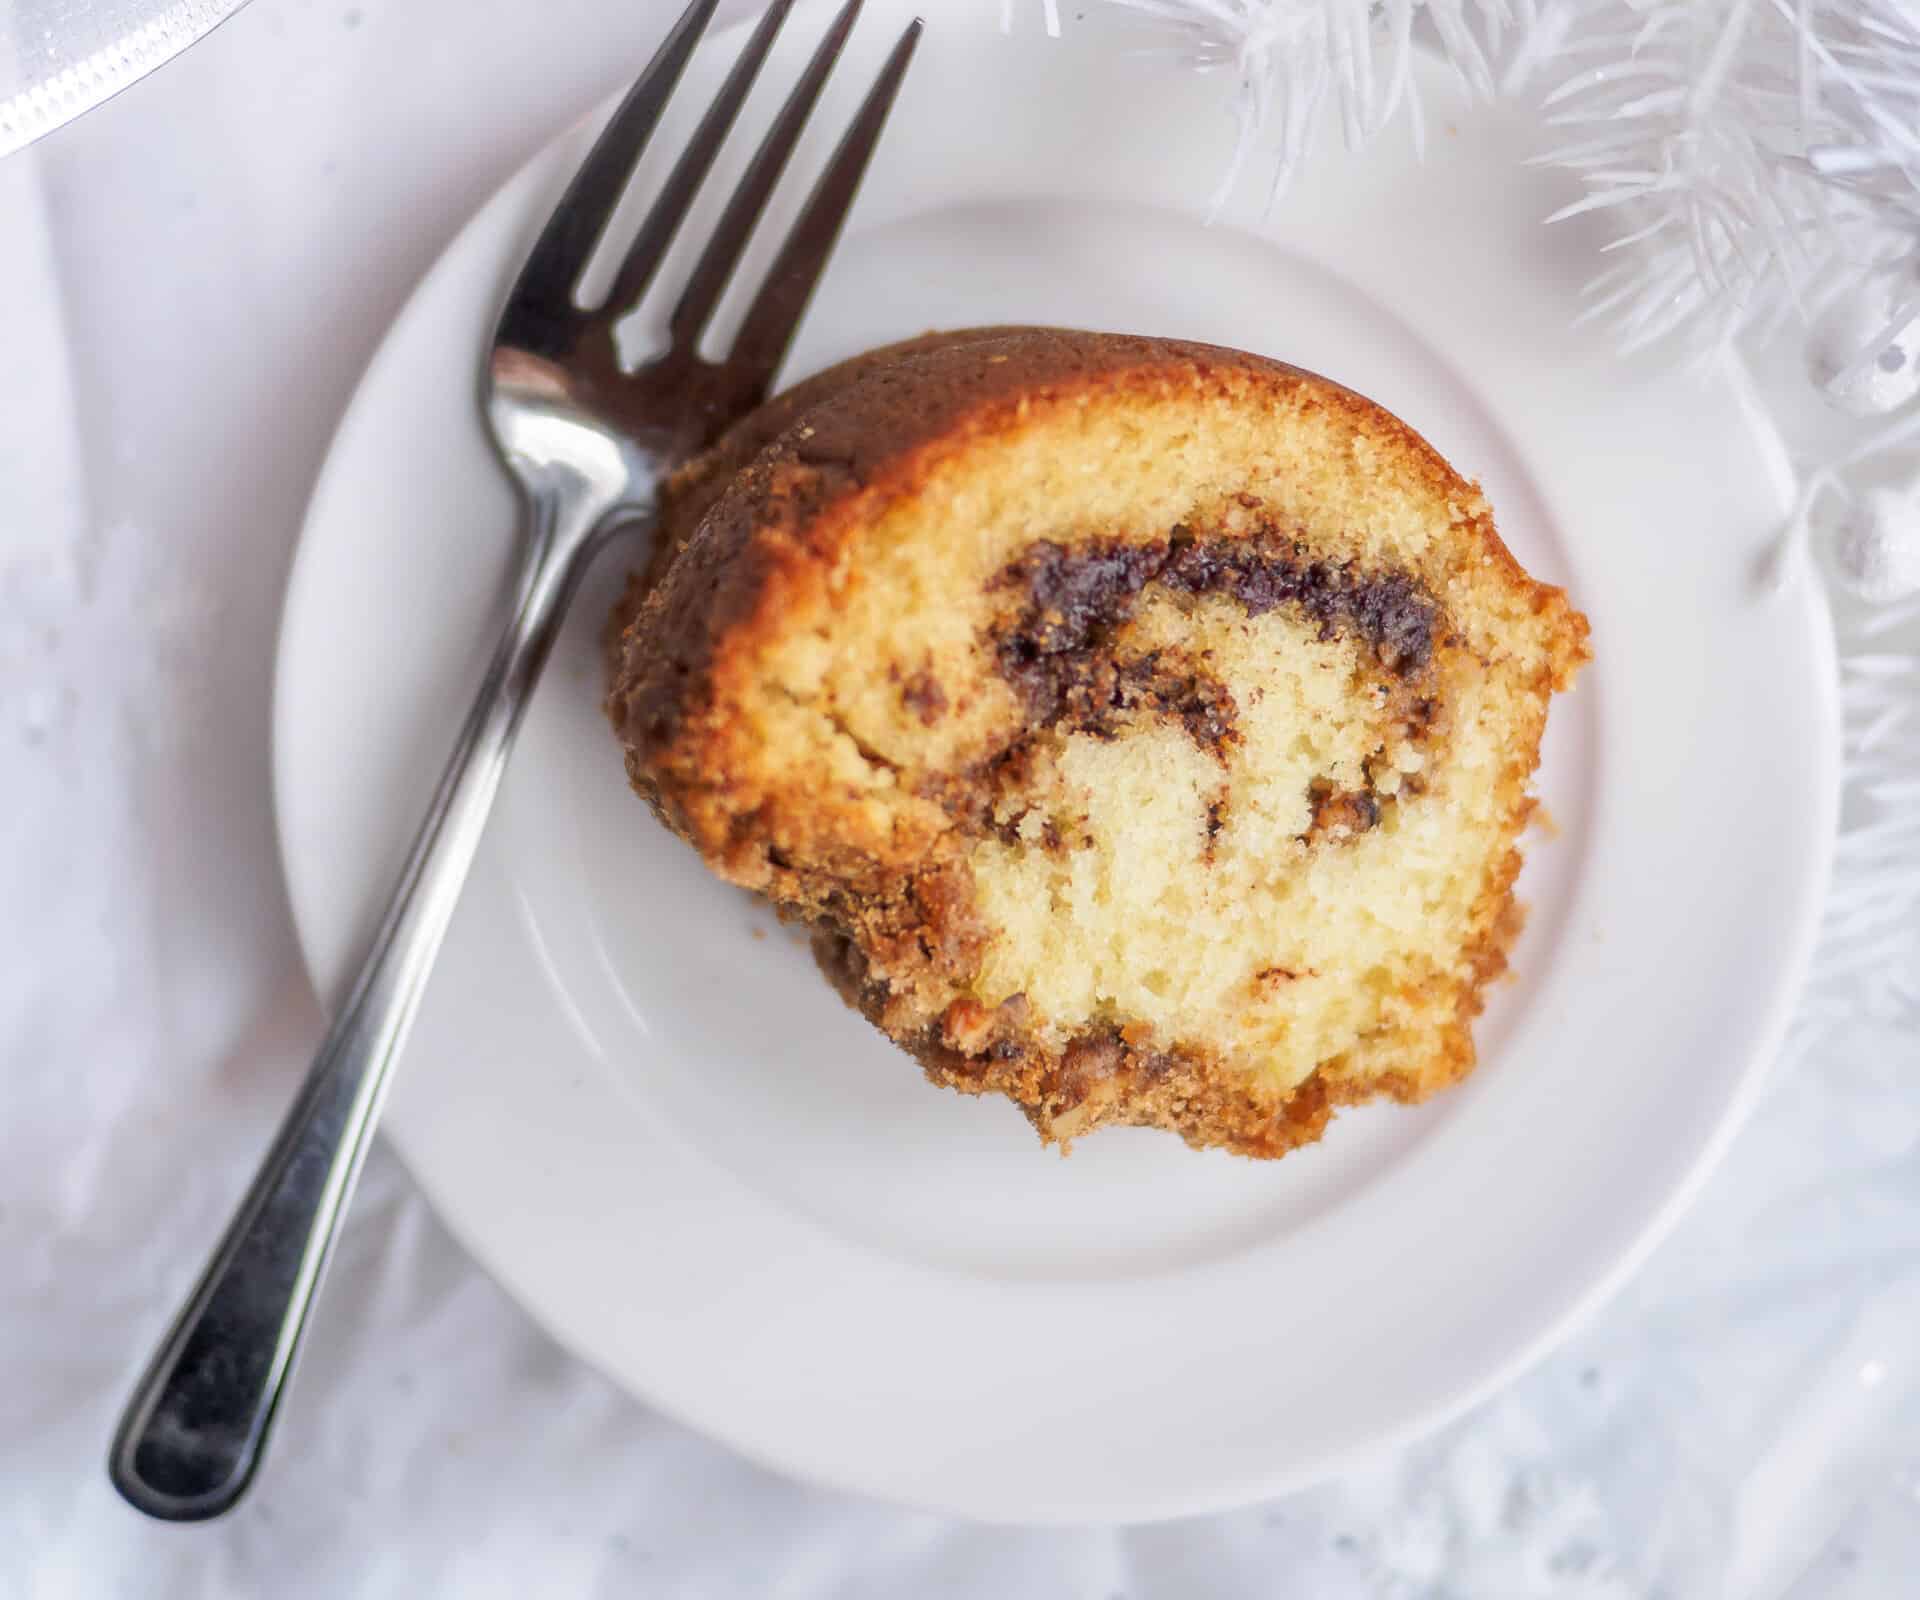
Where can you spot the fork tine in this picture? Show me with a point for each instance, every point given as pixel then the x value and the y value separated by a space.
pixel 782 300
pixel 670 209
pixel 722 254
pixel 544 289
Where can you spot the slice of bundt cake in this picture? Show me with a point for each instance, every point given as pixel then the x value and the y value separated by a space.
pixel 1143 728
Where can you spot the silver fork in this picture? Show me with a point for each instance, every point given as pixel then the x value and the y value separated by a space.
pixel 588 445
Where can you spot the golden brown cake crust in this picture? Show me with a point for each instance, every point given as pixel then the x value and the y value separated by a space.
pixel 694 488
pixel 758 532
pixel 900 406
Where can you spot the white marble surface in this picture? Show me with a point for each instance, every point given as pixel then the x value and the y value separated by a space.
pixel 216 252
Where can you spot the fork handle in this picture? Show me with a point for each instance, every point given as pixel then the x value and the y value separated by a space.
pixel 194 1431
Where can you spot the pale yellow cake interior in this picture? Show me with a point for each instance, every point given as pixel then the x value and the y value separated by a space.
pixel 1281 949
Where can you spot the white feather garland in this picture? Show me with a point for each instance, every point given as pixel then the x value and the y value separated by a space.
pixel 1291 59
pixel 1763 157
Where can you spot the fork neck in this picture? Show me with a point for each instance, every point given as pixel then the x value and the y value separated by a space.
pixel 568 518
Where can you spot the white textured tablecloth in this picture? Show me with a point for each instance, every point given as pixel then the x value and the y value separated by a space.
pixel 217 252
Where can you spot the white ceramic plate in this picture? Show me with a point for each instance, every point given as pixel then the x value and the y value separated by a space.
pixel 635 1101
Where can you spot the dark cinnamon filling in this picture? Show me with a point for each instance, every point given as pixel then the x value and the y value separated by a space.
pixel 1061 654
pixel 1058 651
pixel 1085 691
pixel 1340 812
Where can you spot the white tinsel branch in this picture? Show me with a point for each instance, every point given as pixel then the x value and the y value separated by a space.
pixel 1293 59
pixel 1763 157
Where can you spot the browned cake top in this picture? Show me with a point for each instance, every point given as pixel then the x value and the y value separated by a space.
pixel 871 427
